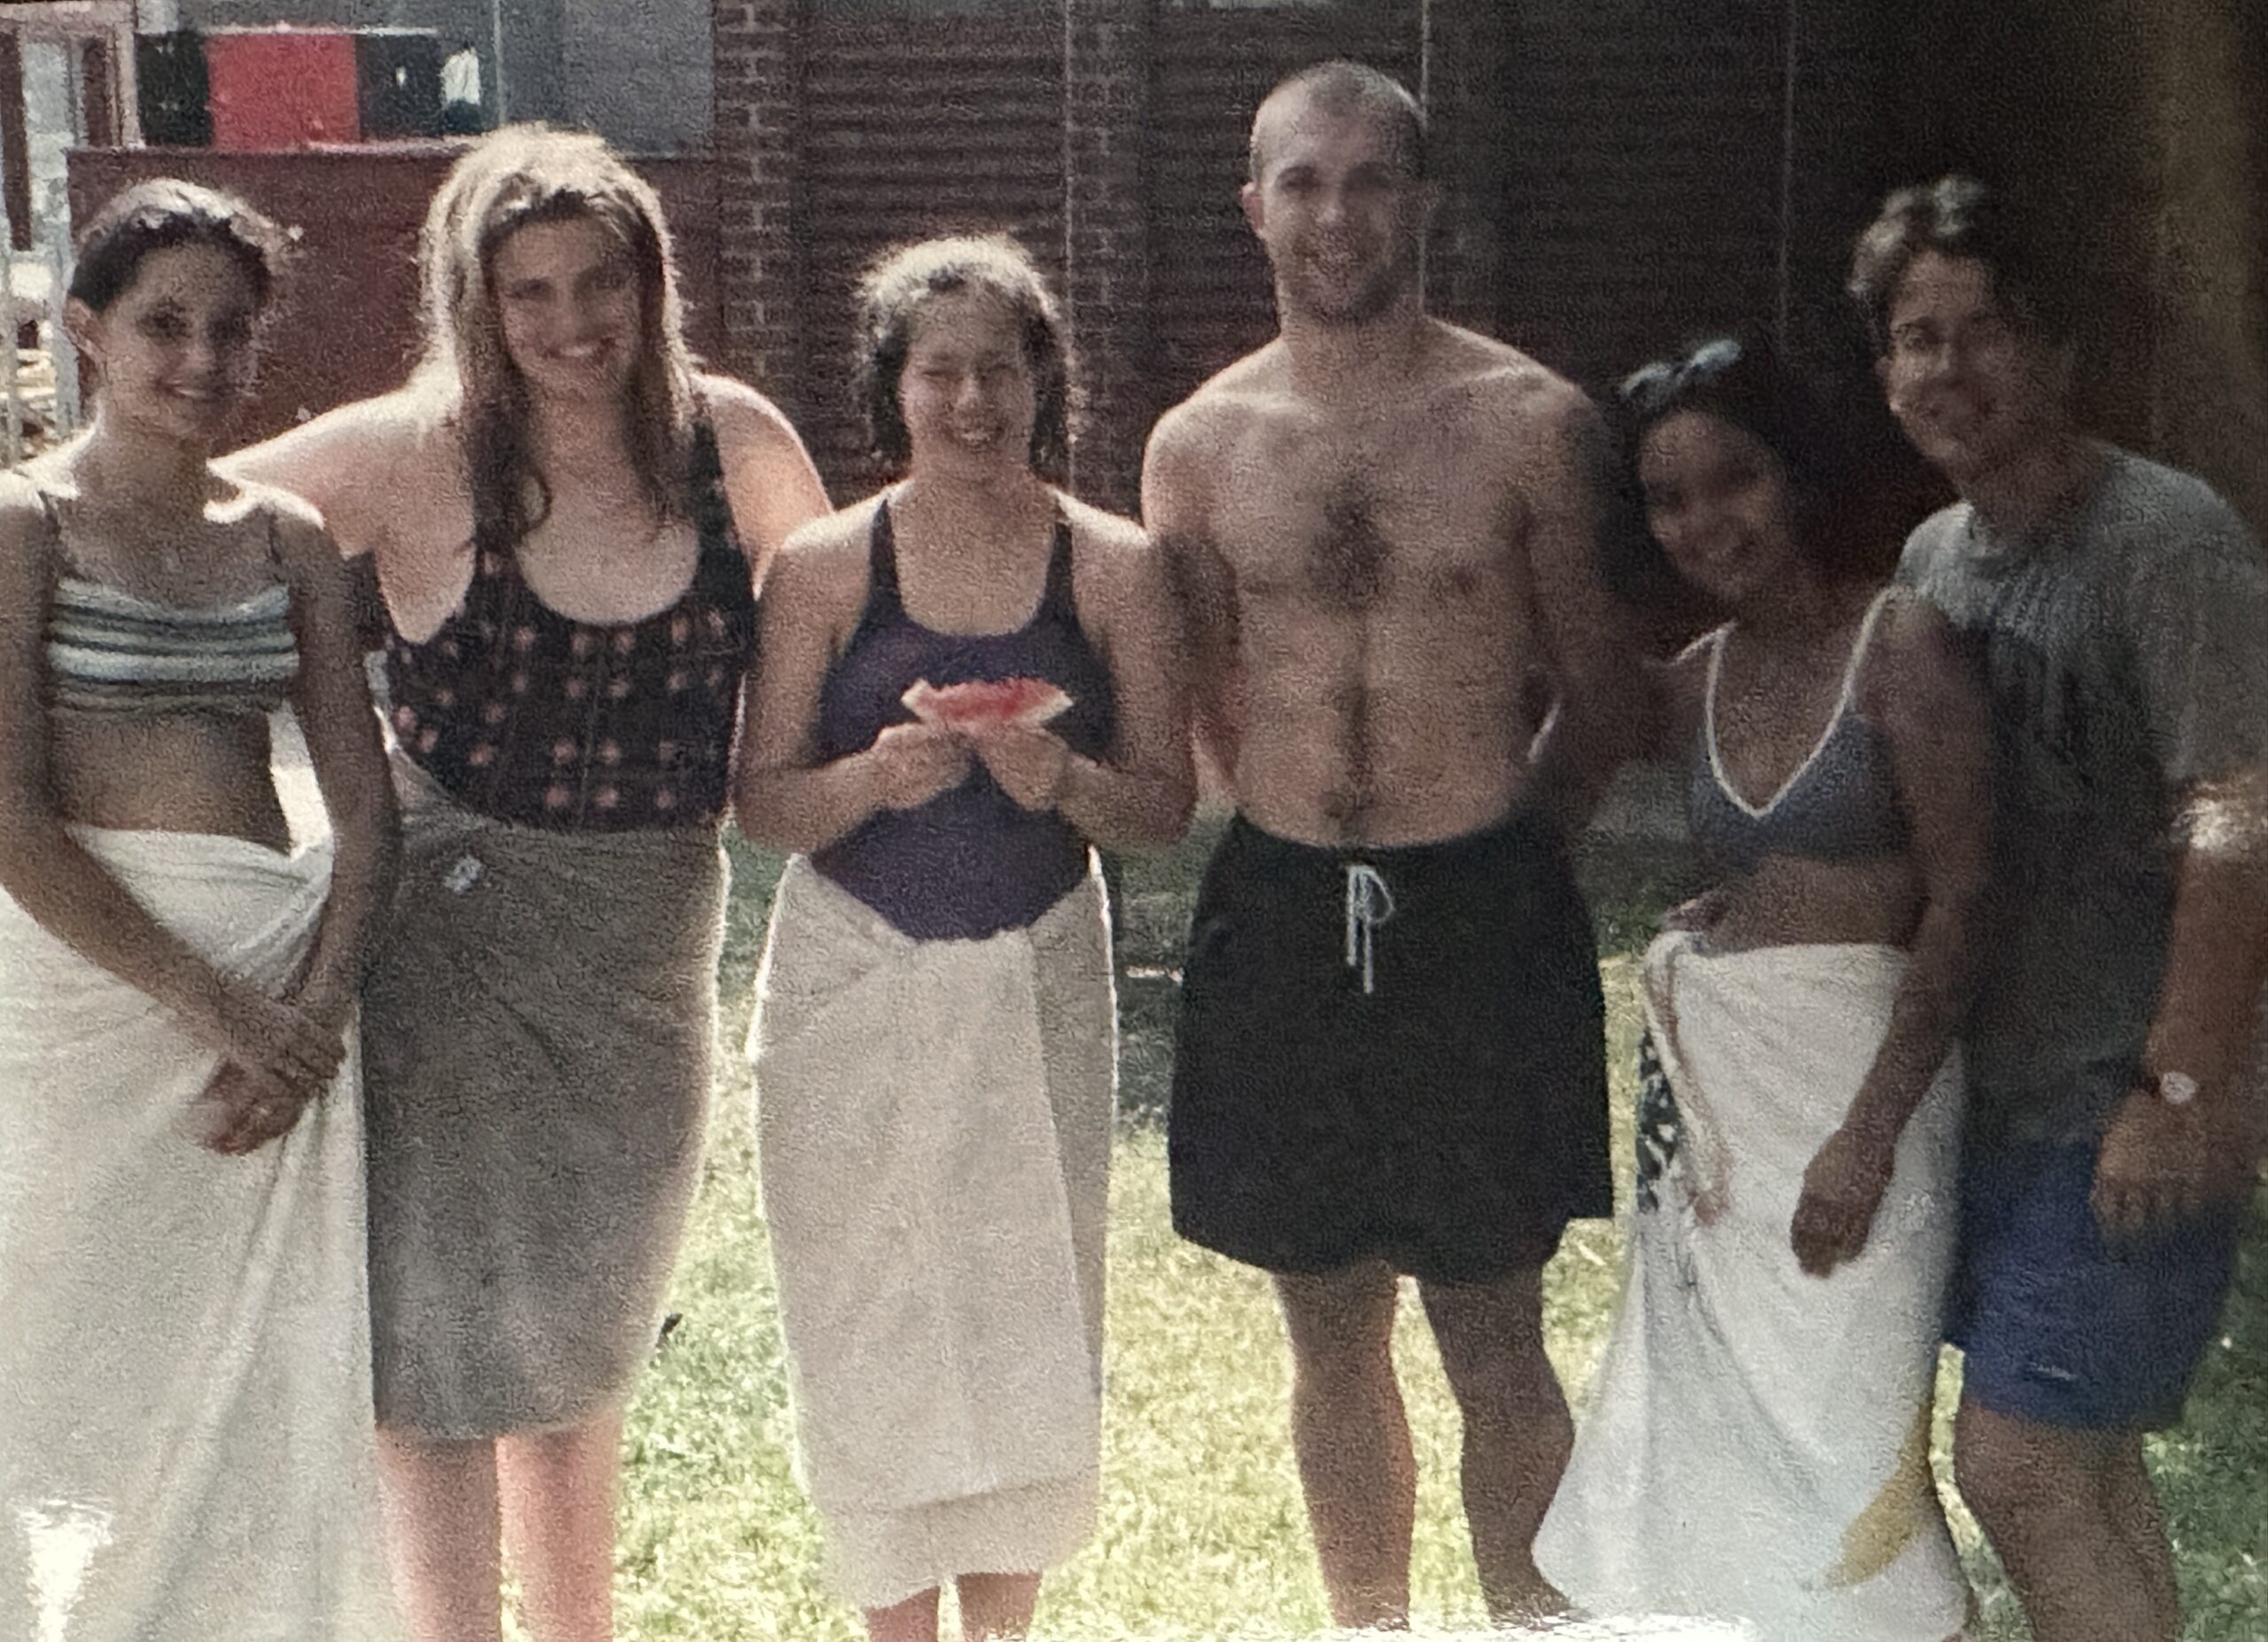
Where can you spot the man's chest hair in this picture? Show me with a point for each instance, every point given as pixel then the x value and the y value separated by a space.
pixel 1349 540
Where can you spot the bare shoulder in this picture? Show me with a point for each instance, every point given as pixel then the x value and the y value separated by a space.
pixel 1512 391
pixel 1224 404
pixel 1201 450
pixel 1113 553
pixel 822 565
pixel 1910 629
pixel 743 418
pixel 1915 664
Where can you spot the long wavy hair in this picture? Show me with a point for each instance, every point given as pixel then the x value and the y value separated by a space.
pixel 516 176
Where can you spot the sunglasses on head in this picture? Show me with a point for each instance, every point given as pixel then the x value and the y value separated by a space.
pixel 1651 387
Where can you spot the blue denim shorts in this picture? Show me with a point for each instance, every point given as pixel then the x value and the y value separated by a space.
pixel 2059 1325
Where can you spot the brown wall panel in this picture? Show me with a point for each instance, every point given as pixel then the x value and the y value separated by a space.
pixel 1643 179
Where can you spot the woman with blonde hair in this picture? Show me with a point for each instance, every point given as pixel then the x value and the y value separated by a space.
pixel 968 680
pixel 567 522
pixel 186 1445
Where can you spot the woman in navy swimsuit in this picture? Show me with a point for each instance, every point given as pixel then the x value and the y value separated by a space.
pixel 933 1040
pixel 1757 1444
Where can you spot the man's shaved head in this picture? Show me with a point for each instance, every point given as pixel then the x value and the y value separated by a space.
pixel 1344 88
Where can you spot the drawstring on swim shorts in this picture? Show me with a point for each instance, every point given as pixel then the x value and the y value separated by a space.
pixel 1369 904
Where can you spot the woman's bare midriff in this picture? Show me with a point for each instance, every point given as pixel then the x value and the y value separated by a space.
pixel 185 771
pixel 1789 900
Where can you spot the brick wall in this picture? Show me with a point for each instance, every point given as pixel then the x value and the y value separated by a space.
pixel 756 53
pixel 1105 75
pixel 1465 113
pixel 1617 176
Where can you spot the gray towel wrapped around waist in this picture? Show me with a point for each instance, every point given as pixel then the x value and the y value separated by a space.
pixel 537 1031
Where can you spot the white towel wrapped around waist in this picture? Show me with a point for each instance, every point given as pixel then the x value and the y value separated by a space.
pixel 922 1216
pixel 1756 1441
pixel 185 1421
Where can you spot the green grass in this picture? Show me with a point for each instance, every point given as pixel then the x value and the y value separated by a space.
pixel 1203 1534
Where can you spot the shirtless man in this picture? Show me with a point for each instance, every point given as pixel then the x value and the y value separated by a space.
pixel 1383 531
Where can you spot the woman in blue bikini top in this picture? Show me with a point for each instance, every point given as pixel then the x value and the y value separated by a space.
pixel 1835 738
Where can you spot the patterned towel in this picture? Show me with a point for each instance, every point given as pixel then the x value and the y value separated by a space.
pixel 1756 1446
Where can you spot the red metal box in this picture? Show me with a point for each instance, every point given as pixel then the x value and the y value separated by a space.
pixel 282 88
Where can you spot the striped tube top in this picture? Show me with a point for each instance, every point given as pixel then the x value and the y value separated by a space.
pixel 109 651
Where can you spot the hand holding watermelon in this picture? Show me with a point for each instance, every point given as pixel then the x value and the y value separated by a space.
pixel 912 763
pixel 983 704
pixel 1003 722
pixel 1031 764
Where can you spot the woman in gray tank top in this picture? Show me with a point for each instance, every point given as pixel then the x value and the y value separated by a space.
pixel 1776 1345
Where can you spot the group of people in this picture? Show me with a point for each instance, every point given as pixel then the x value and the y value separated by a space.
pixel 340 1177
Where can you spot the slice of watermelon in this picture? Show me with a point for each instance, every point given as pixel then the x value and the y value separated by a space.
pixel 984 703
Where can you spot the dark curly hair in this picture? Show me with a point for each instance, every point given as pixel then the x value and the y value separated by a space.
pixel 894 292
pixel 1743 382
pixel 160 214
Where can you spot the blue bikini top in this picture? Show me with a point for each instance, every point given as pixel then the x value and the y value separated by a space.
pixel 1840 804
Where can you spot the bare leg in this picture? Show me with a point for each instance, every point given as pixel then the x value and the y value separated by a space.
pixel 438 1504
pixel 1518 1432
pixel 2140 1522
pixel 914 1620
pixel 558 1496
pixel 996 1605
pixel 1352 1439
pixel 2049 1498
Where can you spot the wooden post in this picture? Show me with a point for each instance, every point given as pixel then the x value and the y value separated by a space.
pixel 15 145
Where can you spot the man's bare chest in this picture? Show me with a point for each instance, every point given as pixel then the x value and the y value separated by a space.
pixel 1319 531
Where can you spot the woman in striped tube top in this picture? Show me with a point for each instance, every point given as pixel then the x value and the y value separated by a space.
pixel 189 1447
